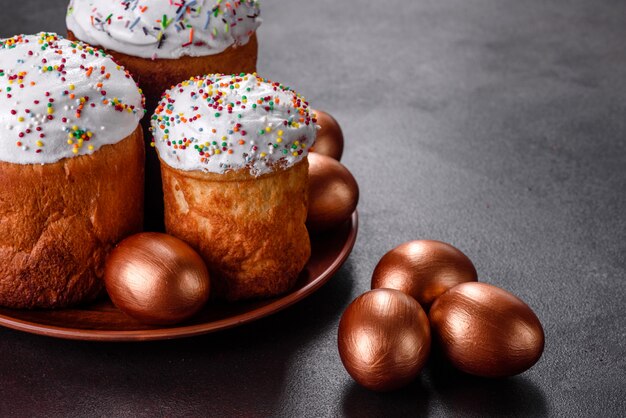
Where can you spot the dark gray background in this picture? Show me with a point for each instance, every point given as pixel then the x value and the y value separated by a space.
pixel 495 125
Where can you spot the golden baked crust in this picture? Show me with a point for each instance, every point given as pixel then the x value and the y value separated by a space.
pixel 156 76
pixel 59 221
pixel 250 230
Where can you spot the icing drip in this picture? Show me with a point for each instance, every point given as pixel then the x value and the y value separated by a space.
pixel 59 99
pixel 218 123
pixel 164 28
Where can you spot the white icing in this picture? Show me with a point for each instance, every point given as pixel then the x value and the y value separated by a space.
pixel 136 27
pixel 269 125
pixel 44 79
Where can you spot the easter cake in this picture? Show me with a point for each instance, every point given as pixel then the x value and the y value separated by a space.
pixel 71 168
pixel 233 153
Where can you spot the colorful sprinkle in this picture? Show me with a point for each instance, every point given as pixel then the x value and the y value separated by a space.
pixel 54 97
pixel 201 123
pixel 171 26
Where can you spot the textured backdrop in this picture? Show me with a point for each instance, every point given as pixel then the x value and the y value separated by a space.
pixel 496 125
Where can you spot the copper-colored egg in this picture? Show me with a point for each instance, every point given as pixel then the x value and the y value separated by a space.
pixel 384 339
pixel 156 278
pixel 329 139
pixel 423 269
pixel 486 331
pixel 333 193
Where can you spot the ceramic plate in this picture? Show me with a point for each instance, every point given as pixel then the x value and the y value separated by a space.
pixel 102 321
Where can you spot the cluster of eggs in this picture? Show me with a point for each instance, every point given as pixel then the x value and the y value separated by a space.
pixel 385 335
pixel 158 279
pixel 333 191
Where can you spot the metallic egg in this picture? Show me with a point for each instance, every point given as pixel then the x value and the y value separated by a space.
pixel 329 139
pixel 423 269
pixel 384 339
pixel 156 278
pixel 333 193
pixel 486 331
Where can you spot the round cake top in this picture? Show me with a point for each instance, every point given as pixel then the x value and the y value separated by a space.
pixel 59 99
pixel 217 123
pixel 165 29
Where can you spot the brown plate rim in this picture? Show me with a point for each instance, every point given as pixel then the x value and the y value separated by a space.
pixel 195 329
